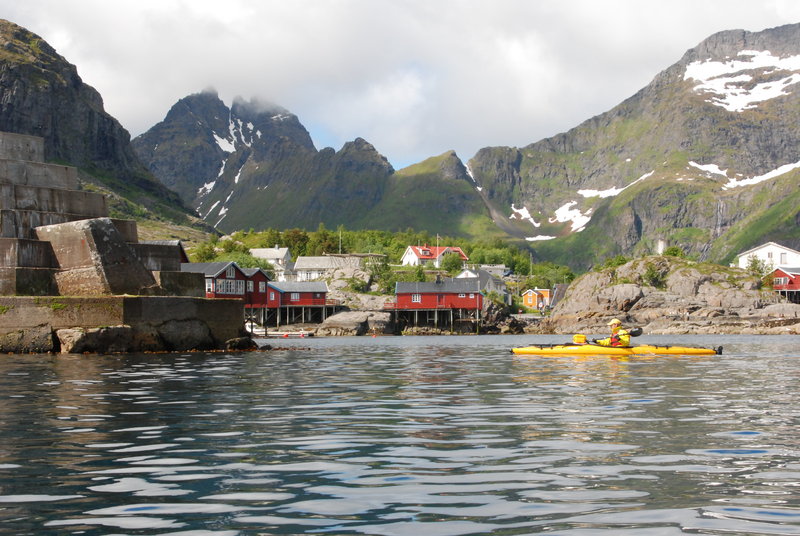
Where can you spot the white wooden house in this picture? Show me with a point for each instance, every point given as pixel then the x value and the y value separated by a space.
pixel 771 254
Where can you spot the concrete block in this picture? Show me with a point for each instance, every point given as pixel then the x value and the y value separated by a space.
pixel 181 283
pixel 38 174
pixel 26 253
pixel 20 223
pixel 128 229
pixel 81 203
pixel 21 147
pixel 27 281
pixel 164 257
pixel 94 259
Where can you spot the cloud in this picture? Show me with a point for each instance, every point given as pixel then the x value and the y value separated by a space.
pixel 415 78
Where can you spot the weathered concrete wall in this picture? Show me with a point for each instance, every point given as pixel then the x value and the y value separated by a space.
pixel 26 253
pixel 117 323
pixel 80 203
pixel 128 229
pixel 21 147
pixel 94 259
pixel 21 223
pixel 181 283
pixel 15 281
pixel 156 257
pixel 38 174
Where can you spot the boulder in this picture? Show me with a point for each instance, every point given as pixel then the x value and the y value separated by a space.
pixel 356 323
pixel 106 340
pixel 35 339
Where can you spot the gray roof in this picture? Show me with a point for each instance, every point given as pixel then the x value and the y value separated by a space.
pixel 299 286
pixel 270 253
pixel 250 272
pixel 467 284
pixel 789 270
pixel 210 269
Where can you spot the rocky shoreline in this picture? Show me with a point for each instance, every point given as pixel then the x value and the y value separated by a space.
pixel 661 294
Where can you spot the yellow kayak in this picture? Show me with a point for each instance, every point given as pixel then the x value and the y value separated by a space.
pixel 595 349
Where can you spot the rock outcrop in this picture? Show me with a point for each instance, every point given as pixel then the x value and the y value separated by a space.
pixel 356 323
pixel 672 295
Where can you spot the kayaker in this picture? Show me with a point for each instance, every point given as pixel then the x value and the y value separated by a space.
pixel 619 335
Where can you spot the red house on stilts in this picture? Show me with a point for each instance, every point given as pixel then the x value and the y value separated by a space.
pixel 453 304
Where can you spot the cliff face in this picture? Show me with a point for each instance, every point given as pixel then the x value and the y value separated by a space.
pixel 41 94
pixel 700 157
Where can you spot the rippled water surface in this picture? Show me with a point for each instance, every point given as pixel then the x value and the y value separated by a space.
pixel 406 436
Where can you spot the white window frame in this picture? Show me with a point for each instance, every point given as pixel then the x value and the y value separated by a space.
pixel 294 296
pixel 230 272
pixel 416 298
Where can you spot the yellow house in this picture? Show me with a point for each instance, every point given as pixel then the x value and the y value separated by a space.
pixel 536 298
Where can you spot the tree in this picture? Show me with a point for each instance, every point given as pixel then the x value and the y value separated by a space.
pixel 758 267
pixel 452 263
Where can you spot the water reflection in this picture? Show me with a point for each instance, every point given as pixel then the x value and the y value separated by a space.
pixel 400 436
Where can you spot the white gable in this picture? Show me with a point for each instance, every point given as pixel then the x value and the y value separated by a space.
pixel 772 254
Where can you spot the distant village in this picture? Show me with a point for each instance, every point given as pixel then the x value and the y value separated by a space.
pixel 298 291
pixel 58 241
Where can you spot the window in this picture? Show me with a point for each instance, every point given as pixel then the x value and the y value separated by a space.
pixel 769 255
pixel 295 296
pixel 262 286
pixel 783 258
pixel 416 298
pixel 471 295
pixel 781 281
pixel 230 286
pixel 209 285
pixel 230 272
pixel 462 295
pixel 272 296
pixel 249 286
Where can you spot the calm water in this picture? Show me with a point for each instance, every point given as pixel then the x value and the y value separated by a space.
pixel 416 436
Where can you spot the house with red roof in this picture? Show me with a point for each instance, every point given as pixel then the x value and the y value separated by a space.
pixel 431 255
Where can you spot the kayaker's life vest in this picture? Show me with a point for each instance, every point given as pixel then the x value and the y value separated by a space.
pixel 620 338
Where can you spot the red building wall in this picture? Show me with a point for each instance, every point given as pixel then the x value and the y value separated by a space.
pixel 794 280
pixel 277 298
pixel 225 286
pixel 440 301
pixel 259 296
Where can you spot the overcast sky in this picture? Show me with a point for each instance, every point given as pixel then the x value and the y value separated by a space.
pixel 415 78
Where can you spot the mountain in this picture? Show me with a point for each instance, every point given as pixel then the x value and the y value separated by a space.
pixel 254 165
pixel 41 94
pixel 704 157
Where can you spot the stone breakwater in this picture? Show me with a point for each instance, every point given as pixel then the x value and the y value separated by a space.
pixel 667 295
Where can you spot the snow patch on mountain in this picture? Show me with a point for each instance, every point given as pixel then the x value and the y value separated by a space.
pixel 611 192
pixel 786 168
pixel 741 84
pixel 565 213
pixel 226 145
pixel 522 214
pixel 709 168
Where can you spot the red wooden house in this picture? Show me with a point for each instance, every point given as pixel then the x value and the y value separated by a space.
pixel 256 294
pixel 438 303
pixel 786 282
pixel 223 279
pixel 298 301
